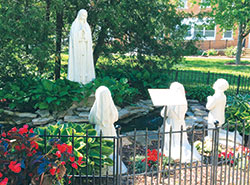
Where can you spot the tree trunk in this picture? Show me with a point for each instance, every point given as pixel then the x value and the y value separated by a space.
pixel 59 26
pixel 48 10
pixel 99 45
pixel 239 45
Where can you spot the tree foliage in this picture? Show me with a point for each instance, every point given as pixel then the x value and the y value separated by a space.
pixel 35 32
pixel 232 14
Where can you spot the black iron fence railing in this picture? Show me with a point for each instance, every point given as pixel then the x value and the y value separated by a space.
pixel 237 83
pixel 137 157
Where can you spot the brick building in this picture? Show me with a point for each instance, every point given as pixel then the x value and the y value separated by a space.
pixel 212 36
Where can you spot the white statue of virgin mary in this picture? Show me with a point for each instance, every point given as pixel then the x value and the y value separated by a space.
pixel 81 65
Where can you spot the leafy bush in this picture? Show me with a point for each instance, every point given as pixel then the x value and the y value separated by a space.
pixel 210 52
pixel 139 76
pixel 23 162
pixel 231 51
pixel 80 144
pixel 121 91
pixel 238 108
pixel 28 94
pixel 199 92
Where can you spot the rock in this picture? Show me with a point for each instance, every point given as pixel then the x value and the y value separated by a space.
pixel 123 113
pixel 193 101
pixel 189 113
pixel 43 113
pixel 125 141
pixel 19 121
pixel 4 122
pixel 141 137
pixel 83 109
pixel 8 112
pixel 59 115
pixel 147 102
pixel 199 119
pixel 200 113
pixel 197 108
pixel 189 122
pixel 42 121
pixel 75 119
pixel 84 114
pixel 25 115
pixel 69 112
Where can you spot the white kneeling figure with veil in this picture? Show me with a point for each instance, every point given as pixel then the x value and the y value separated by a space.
pixel 176 119
pixel 104 114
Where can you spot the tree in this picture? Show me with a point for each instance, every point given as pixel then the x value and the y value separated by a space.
pixel 232 14
pixel 146 28
pixel 25 48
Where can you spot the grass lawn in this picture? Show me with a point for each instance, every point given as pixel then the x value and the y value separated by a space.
pixel 214 65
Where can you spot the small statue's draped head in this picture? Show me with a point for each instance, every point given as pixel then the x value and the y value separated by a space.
pixel 221 85
pixel 102 93
pixel 82 15
pixel 177 88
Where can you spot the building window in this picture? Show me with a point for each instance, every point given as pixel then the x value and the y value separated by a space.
pixel 228 34
pixel 183 4
pixel 206 32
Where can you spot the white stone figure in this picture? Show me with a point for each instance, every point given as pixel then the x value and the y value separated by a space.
pixel 216 105
pixel 80 64
pixel 103 114
pixel 176 119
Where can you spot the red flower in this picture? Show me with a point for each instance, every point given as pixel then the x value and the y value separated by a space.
pixel 34 145
pixel 14 129
pixel 72 159
pixel 4 181
pixel 23 131
pixel 29 154
pixel 58 170
pixel 52 171
pixel 62 148
pixel 30 174
pixel 3 134
pixel 74 165
pixel 58 154
pixel 80 160
pixel 1 175
pixel 63 163
pixel 15 167
pixel 31 130
pixel 17 147
pixel 23 147
pixel 69 181
pixel 69 149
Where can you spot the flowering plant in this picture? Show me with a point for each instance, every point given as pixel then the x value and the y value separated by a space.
pixel 23 162
pixel 241 156
pixel 152 157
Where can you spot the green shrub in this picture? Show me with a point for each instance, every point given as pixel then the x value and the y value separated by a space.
pixel 231 51
pixel 139 76
pixel 199 92
pixel 29 94
pixel 238 109
pixel 210 52
pixel 80 146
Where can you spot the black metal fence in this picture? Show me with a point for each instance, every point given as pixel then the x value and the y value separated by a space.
pixel 221 163
pixel 237 84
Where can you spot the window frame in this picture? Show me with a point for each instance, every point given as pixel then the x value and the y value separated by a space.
pixel 223 37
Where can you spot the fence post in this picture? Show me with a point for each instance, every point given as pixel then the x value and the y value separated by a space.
pixel 216 144
pixel 208 77
pixel 176 74
pixel 238 85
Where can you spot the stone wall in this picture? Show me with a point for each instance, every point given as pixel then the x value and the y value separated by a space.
pixel 77 113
